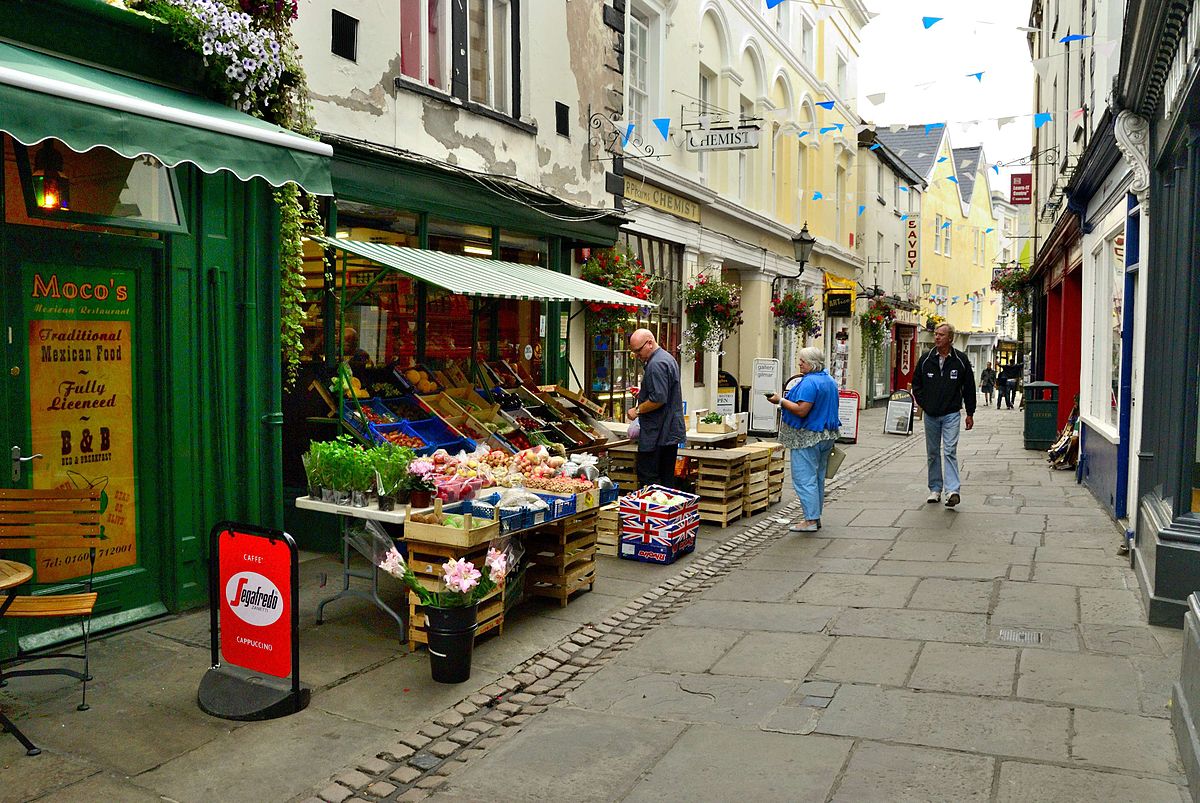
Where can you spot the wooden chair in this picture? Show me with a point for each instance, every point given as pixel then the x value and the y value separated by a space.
pixel 53 519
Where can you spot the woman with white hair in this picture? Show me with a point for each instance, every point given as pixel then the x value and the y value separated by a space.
pixel 809 426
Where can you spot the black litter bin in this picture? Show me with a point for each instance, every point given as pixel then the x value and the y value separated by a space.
pixel 1041 415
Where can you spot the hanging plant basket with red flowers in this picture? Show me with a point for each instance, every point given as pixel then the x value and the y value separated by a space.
pixel 875 322
pixel 620 269
pixel 1012 282
pixel 714 312
pixel 795 311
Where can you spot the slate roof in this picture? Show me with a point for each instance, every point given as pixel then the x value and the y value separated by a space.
pixel 910 143
pixel 966 167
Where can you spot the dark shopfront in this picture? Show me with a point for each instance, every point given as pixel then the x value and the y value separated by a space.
pixel 399 321
pixel 1159 84
pixel 140 302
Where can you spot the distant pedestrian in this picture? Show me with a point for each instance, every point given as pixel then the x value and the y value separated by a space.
pixel 1009 376
pixel 943 384
pixel 659 409
pixel 809 426
pixel 987 380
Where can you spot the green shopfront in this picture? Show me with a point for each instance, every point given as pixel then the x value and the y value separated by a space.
pixel 140 296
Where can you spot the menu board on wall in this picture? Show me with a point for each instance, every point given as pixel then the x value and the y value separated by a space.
pixel 81 413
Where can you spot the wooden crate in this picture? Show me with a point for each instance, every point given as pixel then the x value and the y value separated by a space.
pixel 562 561
pixel 490 617
pixel 426 561
pixel 608 529
pixel 721 512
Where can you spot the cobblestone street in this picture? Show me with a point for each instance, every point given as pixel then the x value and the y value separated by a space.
pixel 910 652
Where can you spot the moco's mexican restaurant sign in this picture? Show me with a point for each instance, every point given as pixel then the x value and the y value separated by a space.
pixel 256 598
pixel 81 403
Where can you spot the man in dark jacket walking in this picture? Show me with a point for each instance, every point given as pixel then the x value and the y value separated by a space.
pixel 943 384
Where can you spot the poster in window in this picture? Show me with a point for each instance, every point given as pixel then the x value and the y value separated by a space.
pixel 81 405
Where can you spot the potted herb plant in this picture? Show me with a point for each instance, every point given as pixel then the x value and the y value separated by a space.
pixel 362 476
pixel 450 613
pixel 391 472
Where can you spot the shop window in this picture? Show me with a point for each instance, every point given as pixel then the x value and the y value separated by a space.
pixel 1107 311
pixel 523 248
pixel 100 188
pixel 424 41
pixel 611 370
pixel 460 238
pixel 489 53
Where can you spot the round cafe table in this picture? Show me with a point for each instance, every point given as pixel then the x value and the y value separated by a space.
pixel 12 575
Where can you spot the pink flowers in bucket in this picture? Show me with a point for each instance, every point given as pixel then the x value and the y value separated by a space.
pixel 464 584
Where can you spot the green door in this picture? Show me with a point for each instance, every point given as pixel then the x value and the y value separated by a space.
pixel 80 354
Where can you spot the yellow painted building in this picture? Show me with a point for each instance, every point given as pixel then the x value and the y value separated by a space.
pixel 960 239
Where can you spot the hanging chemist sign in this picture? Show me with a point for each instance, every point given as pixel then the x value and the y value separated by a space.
pixel 81 414
pixel 723 139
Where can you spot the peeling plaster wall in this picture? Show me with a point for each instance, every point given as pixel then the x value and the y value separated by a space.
pixel 360 99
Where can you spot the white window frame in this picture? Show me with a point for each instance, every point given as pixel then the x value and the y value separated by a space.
pixel 937 234
pixel 783 20
pixel 842 75
pixel 639 23
pixel 977 312
pixel 445 46
pixel 745 177
pixel 839 189
pixel 879 177
pixel 1096 395
pixel 943 295
pixel 705 85
pixel 808 41
pixel 491 89
pixel 946 248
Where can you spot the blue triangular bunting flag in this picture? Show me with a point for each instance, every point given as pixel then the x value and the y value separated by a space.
pixel 861 209
pixel 1041 118
pixel 1074 37
pixel 663 124
pixel 933 127
pixel 827 104
pixel 817 195
pixel 929 22
pixel 876 146
pixel 952 178
pixel 988 231
pixel 626 136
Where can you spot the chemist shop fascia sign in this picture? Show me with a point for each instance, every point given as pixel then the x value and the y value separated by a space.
pixel 723 139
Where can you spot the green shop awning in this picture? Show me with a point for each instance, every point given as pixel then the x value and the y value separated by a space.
pixel 43 97
pixel 488 278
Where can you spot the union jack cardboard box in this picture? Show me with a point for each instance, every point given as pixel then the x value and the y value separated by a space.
pixel 658 533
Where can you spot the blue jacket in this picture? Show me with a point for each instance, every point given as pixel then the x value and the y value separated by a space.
pixel 819 388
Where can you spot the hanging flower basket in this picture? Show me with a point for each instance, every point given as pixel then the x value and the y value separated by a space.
pixel 617 268
pixel 714 312
pixel 796 311
pixel 933 321
pixel 1012 282
pixel 875 321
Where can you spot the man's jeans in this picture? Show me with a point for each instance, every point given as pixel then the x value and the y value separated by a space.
pixel 942 430
pixel 808 477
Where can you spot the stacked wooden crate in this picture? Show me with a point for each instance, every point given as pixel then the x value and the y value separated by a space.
pixel 763 458
pixel 426 561
pixel 562 557
pixel 775 473
pixel 623 469
pixel 608 530
pixel 721 479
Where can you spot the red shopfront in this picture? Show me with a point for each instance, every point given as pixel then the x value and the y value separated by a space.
pixel 1059 343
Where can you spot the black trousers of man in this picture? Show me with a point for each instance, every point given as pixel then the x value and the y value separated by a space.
pixel 657 466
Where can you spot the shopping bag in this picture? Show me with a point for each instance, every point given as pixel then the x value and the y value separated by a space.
pixel 835 462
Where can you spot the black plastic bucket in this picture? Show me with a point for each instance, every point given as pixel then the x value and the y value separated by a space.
pixel 451 634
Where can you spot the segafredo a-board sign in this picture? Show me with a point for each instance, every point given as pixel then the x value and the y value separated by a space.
pixel 255 624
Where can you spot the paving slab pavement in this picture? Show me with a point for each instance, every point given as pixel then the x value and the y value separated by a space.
pixel 905 652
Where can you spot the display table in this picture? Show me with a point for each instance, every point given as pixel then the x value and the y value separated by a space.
pixel 702 439
pixel 344 514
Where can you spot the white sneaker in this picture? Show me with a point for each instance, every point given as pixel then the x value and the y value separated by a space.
pixel 953 499
pixel 934 497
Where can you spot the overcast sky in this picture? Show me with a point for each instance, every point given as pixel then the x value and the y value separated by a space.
pixel 925 73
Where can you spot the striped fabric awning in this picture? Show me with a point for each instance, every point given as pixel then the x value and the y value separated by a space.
pixel 486 278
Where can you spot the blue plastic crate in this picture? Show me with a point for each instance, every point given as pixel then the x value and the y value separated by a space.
pixel 510 519
pixel 350 413
pixel 609 495
pixel 378 430
pixel 410 405
pixel 439 435
pixel 560 506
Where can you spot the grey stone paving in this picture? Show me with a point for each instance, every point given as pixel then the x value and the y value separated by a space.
pixel 998 652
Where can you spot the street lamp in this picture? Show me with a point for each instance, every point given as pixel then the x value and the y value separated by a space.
pixel 907 278
pixel 926 288
pixel 802 245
